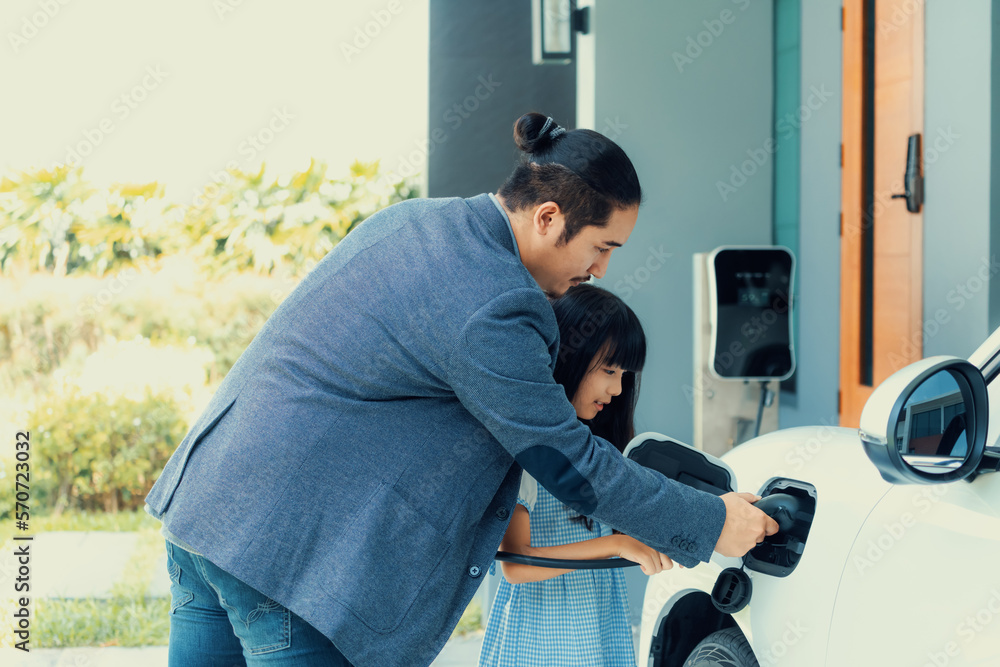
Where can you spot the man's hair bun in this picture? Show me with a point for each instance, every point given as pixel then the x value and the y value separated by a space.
pixel 535 132
pixel 584 172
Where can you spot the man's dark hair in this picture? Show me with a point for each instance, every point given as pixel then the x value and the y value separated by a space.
pixel 583 171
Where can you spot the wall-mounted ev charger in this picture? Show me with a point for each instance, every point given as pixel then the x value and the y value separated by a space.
pixel 747 300
pixel 750 300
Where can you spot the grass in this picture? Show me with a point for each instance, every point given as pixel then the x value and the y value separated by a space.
pixel 129 617
pixel 93 622
pixel 137 520
pixel 121 522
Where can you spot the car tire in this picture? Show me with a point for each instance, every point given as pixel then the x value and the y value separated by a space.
pixel 725 648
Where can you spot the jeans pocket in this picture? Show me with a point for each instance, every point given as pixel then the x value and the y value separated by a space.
pixel 261 624
pixel 269 627
pixel 179 595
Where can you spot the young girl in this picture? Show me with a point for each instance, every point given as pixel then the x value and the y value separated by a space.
pixel 546 616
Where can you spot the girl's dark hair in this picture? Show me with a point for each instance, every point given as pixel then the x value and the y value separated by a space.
pixel 583 171
pixel 591 319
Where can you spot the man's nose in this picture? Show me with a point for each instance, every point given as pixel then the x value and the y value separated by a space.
pixel 600 266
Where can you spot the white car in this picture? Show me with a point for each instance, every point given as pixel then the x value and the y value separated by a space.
pixel 890 558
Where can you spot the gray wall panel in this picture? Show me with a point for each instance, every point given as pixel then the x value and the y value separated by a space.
pixel 957 171
pixel 994 314
pixel 473 150
pixel 818 301
pixel 686 126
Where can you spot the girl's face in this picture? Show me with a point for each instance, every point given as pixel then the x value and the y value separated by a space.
pixel 601 383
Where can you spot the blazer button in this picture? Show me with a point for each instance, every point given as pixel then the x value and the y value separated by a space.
pixel 474 571
pixel 502 513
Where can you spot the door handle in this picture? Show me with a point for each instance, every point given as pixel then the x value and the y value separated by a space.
pixel 913 178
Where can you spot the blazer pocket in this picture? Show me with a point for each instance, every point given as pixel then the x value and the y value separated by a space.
pixel 163 491
pixel 384 559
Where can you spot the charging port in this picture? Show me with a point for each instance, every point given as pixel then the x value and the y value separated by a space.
pixel 779 554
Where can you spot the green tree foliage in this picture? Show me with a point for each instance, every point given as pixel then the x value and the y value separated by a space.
pixel 55 221
pixel 288 224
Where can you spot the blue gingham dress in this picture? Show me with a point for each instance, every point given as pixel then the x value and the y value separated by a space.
pixel 578 618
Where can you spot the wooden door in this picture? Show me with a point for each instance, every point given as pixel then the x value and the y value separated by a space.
pixel 881 255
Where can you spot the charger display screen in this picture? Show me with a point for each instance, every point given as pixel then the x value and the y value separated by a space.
pixel 753 337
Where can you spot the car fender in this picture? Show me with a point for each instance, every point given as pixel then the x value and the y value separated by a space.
pixel 787 616
pixel 921 584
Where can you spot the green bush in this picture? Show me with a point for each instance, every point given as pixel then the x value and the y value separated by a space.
pixel 222 315
pixel 56 222
pixel 50 323
pixel 91 452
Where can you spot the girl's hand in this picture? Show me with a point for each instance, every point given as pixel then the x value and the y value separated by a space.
pixel 650 560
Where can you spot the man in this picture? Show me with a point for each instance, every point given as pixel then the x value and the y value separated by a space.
pixel 343 493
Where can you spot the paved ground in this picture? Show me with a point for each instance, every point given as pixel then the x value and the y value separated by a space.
pixel 96 564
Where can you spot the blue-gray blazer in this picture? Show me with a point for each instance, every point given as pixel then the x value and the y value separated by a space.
pixel 360 462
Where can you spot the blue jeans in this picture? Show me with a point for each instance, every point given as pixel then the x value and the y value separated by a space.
pixel 218 621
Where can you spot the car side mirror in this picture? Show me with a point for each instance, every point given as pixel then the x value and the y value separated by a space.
pixel 926 424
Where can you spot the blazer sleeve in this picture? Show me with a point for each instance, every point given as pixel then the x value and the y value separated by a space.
pixel 501 370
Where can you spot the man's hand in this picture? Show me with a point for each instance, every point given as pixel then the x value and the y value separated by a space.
pixel 745 527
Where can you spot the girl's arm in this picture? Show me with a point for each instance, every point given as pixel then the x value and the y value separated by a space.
pixel 518 540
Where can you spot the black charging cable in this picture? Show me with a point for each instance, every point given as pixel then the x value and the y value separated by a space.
pixel 766 399
pixel 563 563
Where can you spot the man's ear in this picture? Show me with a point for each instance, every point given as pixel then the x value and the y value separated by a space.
pixel 548 218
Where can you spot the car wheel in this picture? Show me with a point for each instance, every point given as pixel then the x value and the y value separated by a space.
pixel 725 648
